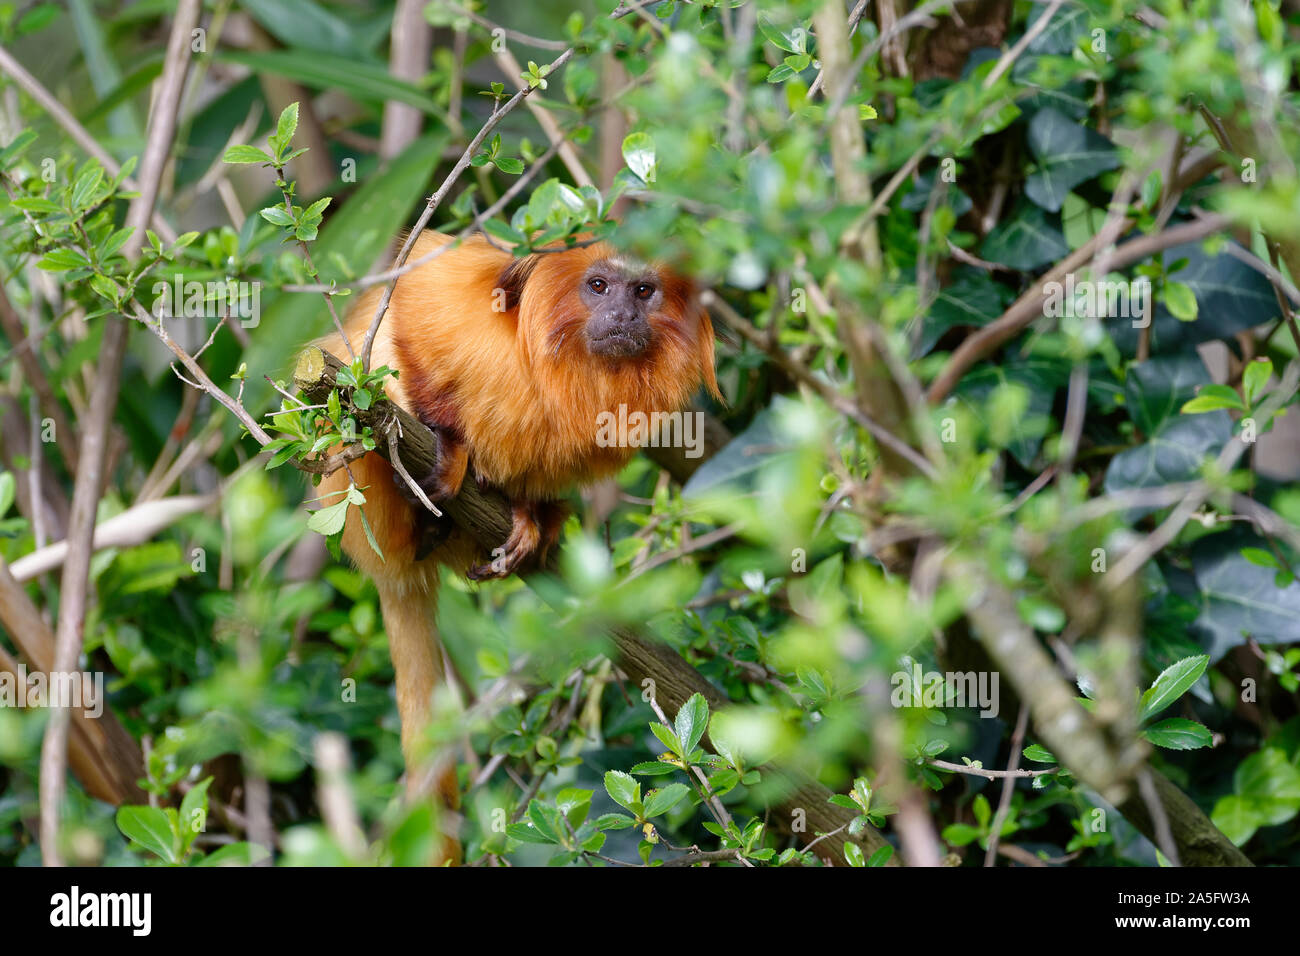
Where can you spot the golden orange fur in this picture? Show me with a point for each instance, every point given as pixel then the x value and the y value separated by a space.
pixel 518 396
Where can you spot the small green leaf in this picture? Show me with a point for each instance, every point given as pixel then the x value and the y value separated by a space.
pixel 236 854
pixel 960 834
pixel 1179 733
pixel 276 216
pixel 149 828
pixel 668 738
pixel 1180 300
pixel 881 856
pixel 692 720
pixel 654 768
pixel 1211 398
pixel 525 833
pixel 330 519
pixel 245 154
pixel 639 154
pixel 1260 557
pixel 286 127
pixel 1254 379
pixel 663 800
pixel 623 789
pixel 1038 754
pixel 614 821
pixel 1172 683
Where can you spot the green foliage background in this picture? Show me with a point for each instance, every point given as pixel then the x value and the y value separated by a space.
pixel 227 667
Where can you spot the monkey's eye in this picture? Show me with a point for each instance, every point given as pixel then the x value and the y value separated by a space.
pixel 643 291
pixel 597 286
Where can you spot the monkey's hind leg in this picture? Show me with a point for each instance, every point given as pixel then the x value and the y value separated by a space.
pixel 534 528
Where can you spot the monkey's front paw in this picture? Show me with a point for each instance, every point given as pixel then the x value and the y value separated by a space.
pixel 525 536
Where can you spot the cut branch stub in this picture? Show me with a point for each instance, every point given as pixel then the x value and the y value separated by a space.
pixel 484 513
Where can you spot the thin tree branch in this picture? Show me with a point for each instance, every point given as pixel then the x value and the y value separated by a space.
pixel 74 584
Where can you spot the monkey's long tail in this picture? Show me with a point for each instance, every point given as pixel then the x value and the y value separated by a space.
pixel 410 610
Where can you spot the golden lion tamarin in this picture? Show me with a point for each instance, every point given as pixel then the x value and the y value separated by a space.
pixel 510 361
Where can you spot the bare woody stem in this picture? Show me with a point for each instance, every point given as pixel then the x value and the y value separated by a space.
pixel 74 584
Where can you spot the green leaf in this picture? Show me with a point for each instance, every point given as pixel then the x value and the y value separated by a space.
pixel 24 139
pixel 61 260
pixel 84 189
pixel 1272 782
pixel 668 738
pixel 194 811
pixel 330 519
pixel 525 833
pixel 1237 818
pixel 309 24
pixel 1028 238
pixel 780 38
pixel 639 154
pixel 983 812
pixel 8 486
pixel 1175 453
pixel 1172 683
pixel 503 233
pixel 1180 300
pixel 960 834
pixel 1179 733
pixel 370 535
pixel 798 62
pixel 277 216
pixel 614 821
pixel 853 854
pixel 149 828
pixel 236 854
pixel 692 720
pixel 574 803
pixel 1211 398
pixel 1239 599
pixel 654 768
pixel 245 154
pixel 1156 389
pixel 1038 754
pixel 1254 379
pixel 286 126
pixel 663 800
pixel 881 856
pixel 546 819
pixel 623 789
pixel 1261 558
pixel 1067 153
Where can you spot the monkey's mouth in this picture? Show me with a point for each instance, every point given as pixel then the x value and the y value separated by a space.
pixel 618 342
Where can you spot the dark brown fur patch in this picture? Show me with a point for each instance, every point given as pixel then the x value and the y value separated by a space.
pixel 514 277
pixel 434 406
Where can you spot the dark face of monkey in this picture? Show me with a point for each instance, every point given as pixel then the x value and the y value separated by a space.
pixel 620 298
